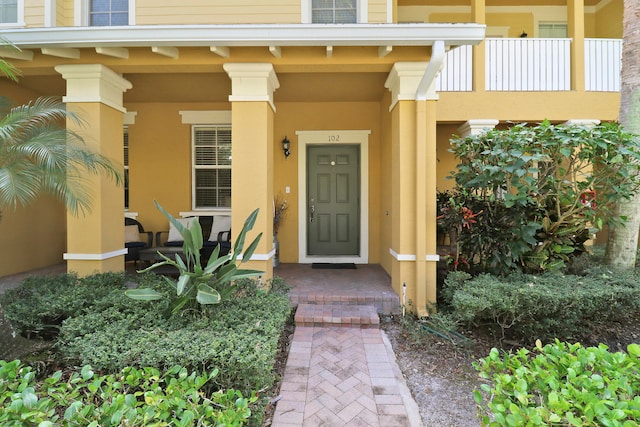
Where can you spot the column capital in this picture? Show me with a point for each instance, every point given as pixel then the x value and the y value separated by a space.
pixel 588 123
pixel 403 81
pixel 252 82
pixel 94 83
pixel 477 126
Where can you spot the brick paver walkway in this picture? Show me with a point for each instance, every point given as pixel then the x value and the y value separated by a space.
pixel 343 376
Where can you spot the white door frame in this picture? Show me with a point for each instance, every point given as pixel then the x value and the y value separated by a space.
pixel 330 137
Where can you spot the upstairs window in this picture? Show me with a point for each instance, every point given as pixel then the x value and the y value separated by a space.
pixel 108 12
pixel 334 11
pixel 9 11
pixel 212 166
pixel 554 30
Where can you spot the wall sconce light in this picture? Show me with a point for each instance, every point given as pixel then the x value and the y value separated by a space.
pixel 285 147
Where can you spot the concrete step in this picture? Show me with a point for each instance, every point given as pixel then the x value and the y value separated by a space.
pixel 357 316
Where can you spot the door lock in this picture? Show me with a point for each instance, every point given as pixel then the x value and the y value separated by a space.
pixel 312 210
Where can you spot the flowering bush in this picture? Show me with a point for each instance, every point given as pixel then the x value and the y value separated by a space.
pixel 550 173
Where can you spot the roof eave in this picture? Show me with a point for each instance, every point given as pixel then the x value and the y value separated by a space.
pixel 418 34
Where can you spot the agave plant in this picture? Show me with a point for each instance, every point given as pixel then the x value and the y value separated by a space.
pixel 196 284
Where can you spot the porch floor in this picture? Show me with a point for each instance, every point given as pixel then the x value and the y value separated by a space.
pixel 367 284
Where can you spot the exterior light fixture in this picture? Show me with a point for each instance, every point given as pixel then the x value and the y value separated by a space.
pixel 285 147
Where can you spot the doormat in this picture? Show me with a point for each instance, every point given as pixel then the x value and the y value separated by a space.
pixel 335 266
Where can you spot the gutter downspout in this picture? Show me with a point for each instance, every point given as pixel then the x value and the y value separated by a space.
pixel 435 65
pixel 425 179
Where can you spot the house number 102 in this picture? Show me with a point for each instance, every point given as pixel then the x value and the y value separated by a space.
pixel 334 138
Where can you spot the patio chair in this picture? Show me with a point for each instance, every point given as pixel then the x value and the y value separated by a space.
pixel 216 230
pixel 134 240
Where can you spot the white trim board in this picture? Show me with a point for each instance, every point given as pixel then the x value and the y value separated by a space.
pixel 329 137
pixel 94 257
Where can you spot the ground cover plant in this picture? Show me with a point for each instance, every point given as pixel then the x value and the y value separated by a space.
pixel 237 339
pixel 560 384
pixel 131 397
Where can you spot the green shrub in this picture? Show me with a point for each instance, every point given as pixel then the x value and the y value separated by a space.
pixel 239 337
pixel 542 187
pixel 485 235
pixel 546 307
pixel 560 384
pixel 41 304
pixel 132 397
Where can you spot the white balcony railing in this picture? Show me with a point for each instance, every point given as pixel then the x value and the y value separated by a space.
pixel 528 64
pixel 533 65
pixel 602 63
pixel 457 73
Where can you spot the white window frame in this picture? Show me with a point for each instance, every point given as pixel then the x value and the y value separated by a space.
pixel 195 167
pixel 19 19
pixel 127 180
pixel 203 118
pixel 81 13
pixel 362 11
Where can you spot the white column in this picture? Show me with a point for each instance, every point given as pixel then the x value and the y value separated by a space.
pixel 476 127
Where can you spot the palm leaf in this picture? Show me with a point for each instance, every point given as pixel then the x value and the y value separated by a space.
pixel 39 155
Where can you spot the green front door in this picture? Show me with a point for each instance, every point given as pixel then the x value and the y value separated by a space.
pixel 333 200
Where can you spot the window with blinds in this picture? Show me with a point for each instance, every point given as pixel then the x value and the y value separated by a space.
pixel 126 167
pixel 108 12
pixel 334 11
pixel 212 166
pixel 8 11
pixel 555 30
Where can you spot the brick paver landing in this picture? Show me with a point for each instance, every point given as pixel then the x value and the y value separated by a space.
pixel 337 376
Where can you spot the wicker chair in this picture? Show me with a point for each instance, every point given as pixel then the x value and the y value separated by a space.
pixel 136 245
pixel 222 239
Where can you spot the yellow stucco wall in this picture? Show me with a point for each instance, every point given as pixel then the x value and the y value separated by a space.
pixel 609 20
pixel 527 106
pixel 160 160
pixel 292 117
pixel 446 160
pixel 33 236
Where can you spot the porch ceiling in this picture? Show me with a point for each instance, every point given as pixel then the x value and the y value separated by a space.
pixel 216 87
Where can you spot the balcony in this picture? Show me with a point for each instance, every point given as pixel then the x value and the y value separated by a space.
pixel 533 65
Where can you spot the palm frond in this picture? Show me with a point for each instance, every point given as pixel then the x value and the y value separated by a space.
pixel 39 155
